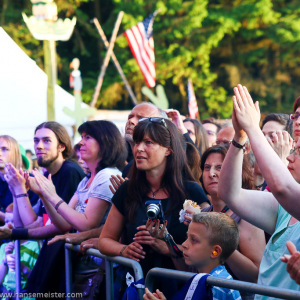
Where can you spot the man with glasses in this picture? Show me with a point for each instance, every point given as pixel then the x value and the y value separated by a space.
pixel 225 136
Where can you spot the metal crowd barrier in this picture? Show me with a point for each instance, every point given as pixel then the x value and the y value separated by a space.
pixel 138 273
pixel 18 268
pixel 230 284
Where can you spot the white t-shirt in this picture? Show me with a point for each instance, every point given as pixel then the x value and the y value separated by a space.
pixel 98 189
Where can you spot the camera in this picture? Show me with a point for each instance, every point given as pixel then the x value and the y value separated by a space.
pixel 154 210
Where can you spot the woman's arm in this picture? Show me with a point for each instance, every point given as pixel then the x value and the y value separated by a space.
pixel 244 263
pixel 91 218
pixel 258 208
pixel 109 239
pixel 280 181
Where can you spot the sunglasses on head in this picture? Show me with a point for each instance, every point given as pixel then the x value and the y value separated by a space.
pixel 294 116
pixel 155 120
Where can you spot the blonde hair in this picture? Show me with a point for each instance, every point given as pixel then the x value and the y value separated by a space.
pixel 15 157
pixel 223 231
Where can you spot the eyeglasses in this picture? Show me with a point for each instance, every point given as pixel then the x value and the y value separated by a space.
pixel 226 143
pixel 294 116
pixel 295 151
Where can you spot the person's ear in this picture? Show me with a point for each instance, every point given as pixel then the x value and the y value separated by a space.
pixel 168 152
pixel 216 251
pixel 61 147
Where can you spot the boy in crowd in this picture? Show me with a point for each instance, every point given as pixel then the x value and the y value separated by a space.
pixel 211 239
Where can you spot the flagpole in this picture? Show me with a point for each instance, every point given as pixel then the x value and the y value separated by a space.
pixel 117 65
pixel 106 59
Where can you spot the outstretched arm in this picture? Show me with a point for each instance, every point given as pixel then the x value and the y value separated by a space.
pixel 279 179
pixel 259 209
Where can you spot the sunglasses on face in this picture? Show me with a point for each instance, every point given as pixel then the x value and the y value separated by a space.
pixel 294 116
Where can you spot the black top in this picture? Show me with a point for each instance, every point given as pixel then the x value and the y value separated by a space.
pixel 178 230
pixel 6 197
pixel 65 181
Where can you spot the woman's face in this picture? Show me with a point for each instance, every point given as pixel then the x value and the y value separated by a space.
pixel 294 162
pixel 296 126
pixel 211 173
pixel 5 153
pixel 149 155
pixel 89 148
pixel 191 130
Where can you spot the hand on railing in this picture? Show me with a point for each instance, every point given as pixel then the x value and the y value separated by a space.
pixel 90 243
pixel 133 251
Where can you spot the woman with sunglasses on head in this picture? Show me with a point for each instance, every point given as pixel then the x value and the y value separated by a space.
pixel 160 173
pixel 277 212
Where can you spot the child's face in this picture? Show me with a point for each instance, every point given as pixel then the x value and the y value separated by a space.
pixel 196 249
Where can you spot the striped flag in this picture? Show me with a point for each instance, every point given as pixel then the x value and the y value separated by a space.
pixel 192 102
pixel 141 43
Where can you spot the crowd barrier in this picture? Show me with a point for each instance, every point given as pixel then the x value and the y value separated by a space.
pixel 214 281
pixel 152 274
pixel 138 273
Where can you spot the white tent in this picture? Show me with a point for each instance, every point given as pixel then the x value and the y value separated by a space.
pixel 23 94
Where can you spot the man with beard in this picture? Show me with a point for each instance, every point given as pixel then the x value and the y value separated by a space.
pixel 53 148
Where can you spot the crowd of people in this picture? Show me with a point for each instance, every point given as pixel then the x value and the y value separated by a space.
pixel 123 195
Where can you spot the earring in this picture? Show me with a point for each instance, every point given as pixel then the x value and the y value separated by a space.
pixel 215 253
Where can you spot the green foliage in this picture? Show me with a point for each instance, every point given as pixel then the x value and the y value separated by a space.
pixel 216 43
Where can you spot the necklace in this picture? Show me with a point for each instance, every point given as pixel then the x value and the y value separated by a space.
pixel 153 193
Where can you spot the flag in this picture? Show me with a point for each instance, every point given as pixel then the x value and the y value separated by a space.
pixel 192 102
pixel 141 43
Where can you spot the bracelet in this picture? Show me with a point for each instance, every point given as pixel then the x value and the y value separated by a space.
pixel 122 250
pixel 58 204
pixel 19 234
pixel 21 195
pixel 237 145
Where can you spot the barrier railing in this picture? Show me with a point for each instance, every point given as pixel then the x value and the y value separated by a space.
pixel 18 268
pixel 231 284
pixel 138 273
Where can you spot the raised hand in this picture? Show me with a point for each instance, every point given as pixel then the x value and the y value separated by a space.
pixel 282 143
pixel 246 112
pixel 175 116
pixel 46 187
pixel 15 179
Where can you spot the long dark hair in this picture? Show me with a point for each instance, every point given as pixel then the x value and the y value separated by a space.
pixel 176 167
pixel 113 150
pixel 247 174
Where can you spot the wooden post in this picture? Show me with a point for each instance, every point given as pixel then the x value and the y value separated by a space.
pixel 50 67
pixel 117 65
pixel 106 59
